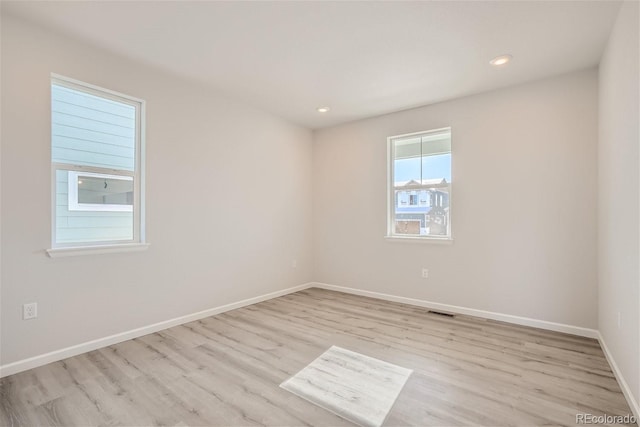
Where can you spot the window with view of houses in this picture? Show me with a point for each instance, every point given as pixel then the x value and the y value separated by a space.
pixel 420 185
pixel 96 140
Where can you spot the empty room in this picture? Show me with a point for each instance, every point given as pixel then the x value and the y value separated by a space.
pixel 320 213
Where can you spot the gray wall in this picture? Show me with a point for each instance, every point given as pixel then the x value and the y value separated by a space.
pixel 207 248
pixel 523 204
pixel 618 197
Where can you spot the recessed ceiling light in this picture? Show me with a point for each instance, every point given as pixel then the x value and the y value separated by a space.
pixel 500 60
pixel 323 109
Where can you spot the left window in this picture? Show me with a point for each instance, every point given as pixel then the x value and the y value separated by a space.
pixel 96 163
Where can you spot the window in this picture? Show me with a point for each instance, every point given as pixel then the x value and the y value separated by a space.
pixel 420 185
pixel 96 162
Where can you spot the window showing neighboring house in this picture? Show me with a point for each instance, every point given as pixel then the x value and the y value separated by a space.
pixel 420 185
pixel 96 161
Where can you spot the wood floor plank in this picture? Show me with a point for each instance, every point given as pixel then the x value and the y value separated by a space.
pixel 226 370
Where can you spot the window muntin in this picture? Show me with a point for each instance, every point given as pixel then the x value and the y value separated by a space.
pixel 420 185
pixel 96 140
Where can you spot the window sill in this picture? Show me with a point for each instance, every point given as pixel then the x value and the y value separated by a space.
pixel 411 239
pixel 96 250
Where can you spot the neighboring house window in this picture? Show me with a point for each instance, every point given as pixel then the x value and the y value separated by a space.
pixel 96 161
pixel 420 185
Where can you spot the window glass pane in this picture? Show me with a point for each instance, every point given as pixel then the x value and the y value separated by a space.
pixel 437 217
pixel 408 226
pixel 410 215
pixel 406 170
pixel 91 131
pixel 436 143
pixel 90 225
pixel 105 191
pixel 407 147
pixel 422 183
pixel 437 167
pixel 407 160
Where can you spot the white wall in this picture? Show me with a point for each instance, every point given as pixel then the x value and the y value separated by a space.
pixel 524 204
pixel 618 197
pixel 228 202
pixel 523 199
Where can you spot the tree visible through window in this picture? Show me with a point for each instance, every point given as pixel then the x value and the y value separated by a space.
pixel 420 185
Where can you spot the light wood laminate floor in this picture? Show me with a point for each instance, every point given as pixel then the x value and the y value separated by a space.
pixel 226 369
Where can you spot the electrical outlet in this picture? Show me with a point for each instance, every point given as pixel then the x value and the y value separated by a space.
pixel 425 273
pixel 30 311
pixel 294 263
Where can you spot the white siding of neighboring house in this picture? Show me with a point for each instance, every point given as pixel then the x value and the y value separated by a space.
pixel 90 131
pixel 85 226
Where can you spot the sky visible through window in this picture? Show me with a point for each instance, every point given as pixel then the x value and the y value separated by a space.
pixel 436 166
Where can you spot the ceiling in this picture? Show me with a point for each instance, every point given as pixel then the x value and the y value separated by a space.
pixel 359 58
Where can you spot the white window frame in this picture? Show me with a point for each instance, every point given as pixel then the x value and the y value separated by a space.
pixel 138 241
pixel 391 234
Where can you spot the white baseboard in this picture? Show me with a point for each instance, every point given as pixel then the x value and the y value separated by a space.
pixel 518 320
pixel 54 356
pixel 626 390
